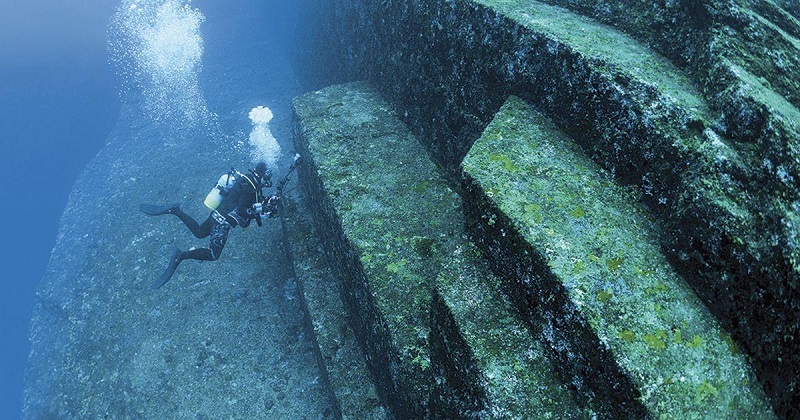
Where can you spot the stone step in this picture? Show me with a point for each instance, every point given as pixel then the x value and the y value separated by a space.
pixel 580 255
pixel 608 47
pixel 339 355
pixel 389 224
pixel 514 367
pixel 773 13
pixel 724 185
pixel 723 189
pixel 791 24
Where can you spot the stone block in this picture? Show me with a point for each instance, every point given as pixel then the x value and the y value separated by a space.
pixel 581 255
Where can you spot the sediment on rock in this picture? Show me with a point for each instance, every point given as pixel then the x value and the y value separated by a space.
pixel 392 231
pixel 513 369
pixel 340 358
pixel 714 148
pixel 386 286
pixel 582 256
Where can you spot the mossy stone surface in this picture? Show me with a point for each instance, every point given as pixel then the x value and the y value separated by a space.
pixel 722 184
pixel 519 378
pixel 595 240
pixel 339 356
pixel 384 237
pixel 610 47
pixel 392 230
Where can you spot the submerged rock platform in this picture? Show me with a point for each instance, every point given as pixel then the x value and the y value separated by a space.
pixel 341 360
pixel 526 209
pixel 438 339
pixel 582 257
pixel 695 104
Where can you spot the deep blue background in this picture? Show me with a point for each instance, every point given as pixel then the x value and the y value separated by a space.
pixel 58 103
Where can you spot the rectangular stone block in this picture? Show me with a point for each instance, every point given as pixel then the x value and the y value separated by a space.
pixel 338 353
pixel 511 366
pixel 382 211
pixel 581 256
pixel 701 120
pixel 439 340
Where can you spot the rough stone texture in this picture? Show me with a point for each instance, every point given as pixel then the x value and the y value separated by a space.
pixel 360 166
pixel 721 178
pixel 340 356
pixel 224 339
pixel 791 6
pixel 439 342
pixel 220 340
pixel 513 368
pixel 582 254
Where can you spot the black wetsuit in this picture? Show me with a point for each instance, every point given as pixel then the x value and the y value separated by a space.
pixel 232 212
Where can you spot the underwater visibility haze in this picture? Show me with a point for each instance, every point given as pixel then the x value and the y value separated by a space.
pixel 58 102
pixel 500 209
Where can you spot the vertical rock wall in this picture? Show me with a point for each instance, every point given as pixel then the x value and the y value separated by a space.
pixel 715 158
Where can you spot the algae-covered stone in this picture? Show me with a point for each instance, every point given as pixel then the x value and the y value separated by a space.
pixel 339 355
pixel 612 48
pixel 439 339
pixel 519 379
pixel 582 255
pixel 383 212
pixel 723 183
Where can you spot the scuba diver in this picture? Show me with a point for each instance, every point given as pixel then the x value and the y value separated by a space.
pixel 236 200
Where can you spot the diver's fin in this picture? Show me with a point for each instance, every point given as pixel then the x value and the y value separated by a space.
pixel 154 210
pixel 173 264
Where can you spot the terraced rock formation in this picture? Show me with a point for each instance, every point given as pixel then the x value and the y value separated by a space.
pixel 694 103
pixel 341 360
pixel 438 338
pixel 607 327
pixel 582 257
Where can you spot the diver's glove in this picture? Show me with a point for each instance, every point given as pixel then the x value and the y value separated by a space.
pixel 266 181
pixel 254 212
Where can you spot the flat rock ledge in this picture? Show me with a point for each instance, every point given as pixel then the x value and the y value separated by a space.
pixel 581 258
pixel 438 338
pixel 339 356
pixel 694 102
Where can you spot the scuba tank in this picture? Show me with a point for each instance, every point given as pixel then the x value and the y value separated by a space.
pixel 220 190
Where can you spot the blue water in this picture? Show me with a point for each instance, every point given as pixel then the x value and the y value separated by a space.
pixel 58 103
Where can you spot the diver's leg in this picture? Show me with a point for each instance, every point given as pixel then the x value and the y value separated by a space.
pixel 154 210
pixel 219 235
pixel 199 231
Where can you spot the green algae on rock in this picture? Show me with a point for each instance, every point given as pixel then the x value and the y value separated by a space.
pixel 338 353
pixel 520 380
pixel 361 165
pixel 723 184
pixel 626 300
pixel 392 230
